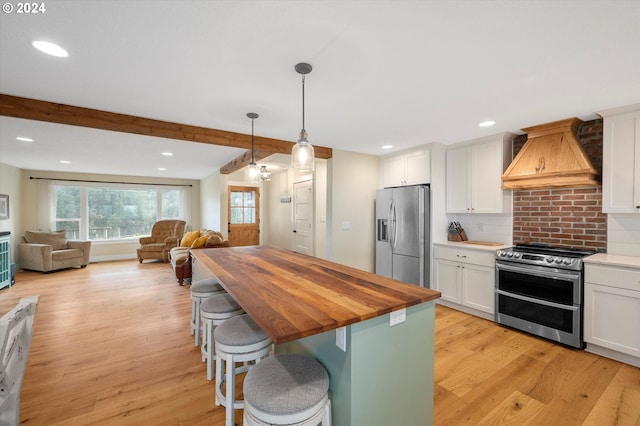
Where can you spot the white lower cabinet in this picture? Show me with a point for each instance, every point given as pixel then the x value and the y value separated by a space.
pixel 466 278
pixel 612 312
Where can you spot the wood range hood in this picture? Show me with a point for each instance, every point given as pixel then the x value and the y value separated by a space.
pixel 552 157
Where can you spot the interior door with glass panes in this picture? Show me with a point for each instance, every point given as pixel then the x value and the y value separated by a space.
pixel 244 216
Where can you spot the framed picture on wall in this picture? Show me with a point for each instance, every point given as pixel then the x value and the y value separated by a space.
pixel 4 206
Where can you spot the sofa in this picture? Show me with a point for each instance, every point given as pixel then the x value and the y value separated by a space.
pixel 51 251
pixel 165 235
pixel 180 256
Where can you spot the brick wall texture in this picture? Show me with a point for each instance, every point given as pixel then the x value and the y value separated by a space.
pixel 568 217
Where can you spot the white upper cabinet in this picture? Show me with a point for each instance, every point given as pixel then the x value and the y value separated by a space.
pixel 411 168
pixel 621 160
pixel 474 175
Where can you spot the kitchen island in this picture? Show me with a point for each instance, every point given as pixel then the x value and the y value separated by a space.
pixel 384 374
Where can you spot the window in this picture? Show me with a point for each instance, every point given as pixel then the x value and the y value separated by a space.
pixel 113 212
pixel 243 207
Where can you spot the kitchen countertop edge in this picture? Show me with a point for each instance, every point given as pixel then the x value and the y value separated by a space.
pixel 472 246
pixel 613 260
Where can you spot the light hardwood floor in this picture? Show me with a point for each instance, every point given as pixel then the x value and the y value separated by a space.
pixel 111 345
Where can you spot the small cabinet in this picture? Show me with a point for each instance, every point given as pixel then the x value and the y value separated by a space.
pixel 465 277
pixel 612 309
pixel 621 160
pixel 474 176
pixel 5 259
pixel 411 168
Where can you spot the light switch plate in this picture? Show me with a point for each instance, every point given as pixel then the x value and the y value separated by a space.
pixel 397 317
pixel 341 338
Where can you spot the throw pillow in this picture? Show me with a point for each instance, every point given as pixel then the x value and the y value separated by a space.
pixel 199 242
pixel 214 240
pixel 188 238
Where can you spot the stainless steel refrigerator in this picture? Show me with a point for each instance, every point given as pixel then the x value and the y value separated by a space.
pixel 403 234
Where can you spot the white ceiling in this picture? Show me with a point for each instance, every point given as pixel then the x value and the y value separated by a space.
pixel 404 73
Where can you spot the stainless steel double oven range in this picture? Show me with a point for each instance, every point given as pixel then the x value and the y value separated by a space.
pixel 540 290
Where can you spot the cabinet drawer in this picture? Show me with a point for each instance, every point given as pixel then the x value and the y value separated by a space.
pixel 628 278
pixel 476 257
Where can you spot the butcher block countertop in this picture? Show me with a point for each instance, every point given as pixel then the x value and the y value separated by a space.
pixel 291 295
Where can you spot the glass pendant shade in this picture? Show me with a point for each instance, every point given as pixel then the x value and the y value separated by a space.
pixel 302 155
pixel 252 173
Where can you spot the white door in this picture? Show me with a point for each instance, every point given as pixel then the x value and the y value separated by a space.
pixel 303 217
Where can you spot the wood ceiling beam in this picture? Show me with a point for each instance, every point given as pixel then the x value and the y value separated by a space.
pixel 33 109
pixel 244 160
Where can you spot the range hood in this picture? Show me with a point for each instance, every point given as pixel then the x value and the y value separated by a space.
pixel 552 157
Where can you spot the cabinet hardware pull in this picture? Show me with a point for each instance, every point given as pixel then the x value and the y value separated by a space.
pixel 463 256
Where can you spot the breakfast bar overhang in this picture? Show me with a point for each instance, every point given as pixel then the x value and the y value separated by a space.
pixel 385 373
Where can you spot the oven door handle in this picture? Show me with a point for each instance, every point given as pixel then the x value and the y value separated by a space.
pixel 538 301
pixel 538 273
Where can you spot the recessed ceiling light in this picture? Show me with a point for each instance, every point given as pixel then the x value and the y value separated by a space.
pixel 487 123
pixel 162 169
pixel 387 146
pixel 65 161
pixel 167 154
pixel 23 139
pixel 50 48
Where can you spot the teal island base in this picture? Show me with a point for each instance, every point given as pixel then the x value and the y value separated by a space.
pixel 385 376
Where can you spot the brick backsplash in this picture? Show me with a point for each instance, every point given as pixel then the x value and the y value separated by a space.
pixel 569 217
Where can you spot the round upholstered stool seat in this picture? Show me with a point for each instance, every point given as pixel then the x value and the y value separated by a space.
pixel 213 312
pixel 238 339
pixel 200 290
pixel 287 389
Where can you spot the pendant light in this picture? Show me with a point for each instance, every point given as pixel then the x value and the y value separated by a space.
pixel 265 175
pixel 302 155
pixel 252 174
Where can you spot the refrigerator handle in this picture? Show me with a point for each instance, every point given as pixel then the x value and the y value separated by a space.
pixel 394 228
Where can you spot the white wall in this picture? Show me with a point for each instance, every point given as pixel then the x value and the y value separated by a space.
pixel 10 180
pixel 210 202
pixel 277 225
pixel 352 182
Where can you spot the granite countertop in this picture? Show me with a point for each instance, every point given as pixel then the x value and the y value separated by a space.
pixel 476 245
pixel 614 260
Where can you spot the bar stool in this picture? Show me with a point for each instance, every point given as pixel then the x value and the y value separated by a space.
pixel 238 339
pixel 287 389
pixel 213 312
pixel 200 290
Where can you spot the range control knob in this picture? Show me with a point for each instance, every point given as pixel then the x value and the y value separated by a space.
pixel 510 254
pixel 502 253
pixel 517 255
pixel 558 260
pixel 567 261
pixel 549 259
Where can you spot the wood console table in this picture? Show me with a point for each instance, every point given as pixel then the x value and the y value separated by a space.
pixel 385 375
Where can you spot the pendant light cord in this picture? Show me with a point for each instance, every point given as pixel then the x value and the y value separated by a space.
pixel 303 102
pixel 252 158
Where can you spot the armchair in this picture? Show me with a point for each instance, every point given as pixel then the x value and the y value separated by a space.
pixel 50 251
pixel 180 256
pixel 165 235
